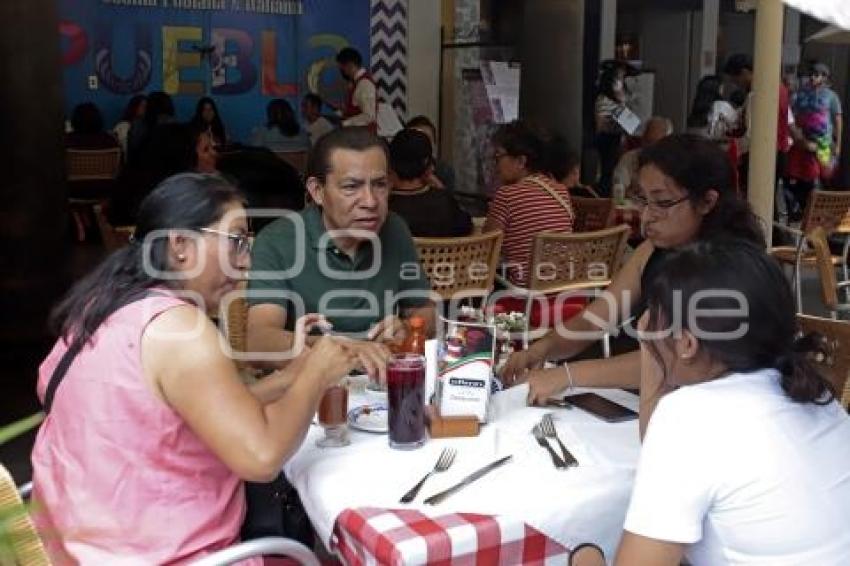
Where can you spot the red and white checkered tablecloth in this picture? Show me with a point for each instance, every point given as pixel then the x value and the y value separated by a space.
pixel 369 535
pixel 631 216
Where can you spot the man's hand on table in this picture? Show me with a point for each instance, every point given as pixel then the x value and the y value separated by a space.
pixel 372 357
pixel 331 359
pixel 390 330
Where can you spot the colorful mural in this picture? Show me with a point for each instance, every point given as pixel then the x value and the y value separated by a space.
pixel 242 52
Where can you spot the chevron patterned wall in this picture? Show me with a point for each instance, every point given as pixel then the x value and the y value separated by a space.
pixel 389 52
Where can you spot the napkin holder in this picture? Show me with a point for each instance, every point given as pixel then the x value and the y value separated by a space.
pixel 450 427
pixel 466 351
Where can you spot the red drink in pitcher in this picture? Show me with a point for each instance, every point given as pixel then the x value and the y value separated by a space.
pixel 406 396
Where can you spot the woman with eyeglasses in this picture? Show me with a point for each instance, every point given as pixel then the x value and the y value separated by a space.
pixel 686 195
pixel 150 432
pixel 745 459
pixel 529 200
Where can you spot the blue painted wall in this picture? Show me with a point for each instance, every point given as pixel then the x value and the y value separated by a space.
pixel 134 46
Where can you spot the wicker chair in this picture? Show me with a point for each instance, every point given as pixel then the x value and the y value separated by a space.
pixel 592 213
pixel 829 210
pixel 564 262
pixel 297 159
pixel 85 166
pixel 114 237
pixel 835 363
pixel 24 543
pixel 450 264
pixel 28 550
pixel 234 320
pixel 826 268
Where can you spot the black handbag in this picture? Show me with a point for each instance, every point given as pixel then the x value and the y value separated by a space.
pixel 275 509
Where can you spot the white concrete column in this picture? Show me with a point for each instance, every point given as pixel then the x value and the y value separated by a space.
pixel 708 43
pixel 607 29
pixel 423 59
pixel 766 63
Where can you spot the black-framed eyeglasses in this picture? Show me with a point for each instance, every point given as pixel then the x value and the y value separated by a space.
pixel 240 243
pixel 657 205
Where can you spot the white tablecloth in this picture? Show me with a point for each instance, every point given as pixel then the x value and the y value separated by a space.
pixel 583 504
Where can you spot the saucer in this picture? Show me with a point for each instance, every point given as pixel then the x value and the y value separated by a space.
pixel 369 418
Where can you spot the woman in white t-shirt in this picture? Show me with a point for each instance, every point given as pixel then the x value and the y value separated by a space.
pixel 711 116
pixel 745 459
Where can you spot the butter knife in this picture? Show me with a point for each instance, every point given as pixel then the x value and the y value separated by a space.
pixel 439 497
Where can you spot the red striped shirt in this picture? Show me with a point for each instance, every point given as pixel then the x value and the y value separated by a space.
pixel 522 210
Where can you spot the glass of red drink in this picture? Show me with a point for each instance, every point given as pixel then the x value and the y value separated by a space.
pixel 333 417
pixel 406 397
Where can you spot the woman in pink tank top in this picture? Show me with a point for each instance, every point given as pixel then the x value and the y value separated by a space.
pixel 147 440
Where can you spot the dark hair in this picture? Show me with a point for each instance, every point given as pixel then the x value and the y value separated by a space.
pixel 349 55
pixel 768 323
pixel 133 107
pixel 738 98
pixel 708 92
pixel 314 99
pixel 188 201
pixel 519 139
pixel 173 148
pixel 279 114
pixel 159 104
pixel 216 126
pixel 606 82
pixel 737 64
pixel 410 154
pixel 698 165
pixel 421 122
pixel 86 119
pixel 356 138
pixel 560 158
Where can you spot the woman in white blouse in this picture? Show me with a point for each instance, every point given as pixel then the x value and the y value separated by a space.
pixel 711 116
pixel 745 459
pixel 609 135
pixel 135 110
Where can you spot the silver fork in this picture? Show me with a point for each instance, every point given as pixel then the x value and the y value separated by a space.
pixel 541 440
pixel 548 427
pixel 446 459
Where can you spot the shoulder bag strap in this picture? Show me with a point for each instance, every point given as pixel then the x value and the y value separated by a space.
pixel 555 196
pixel 68 357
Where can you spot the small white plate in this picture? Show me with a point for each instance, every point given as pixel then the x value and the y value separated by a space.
pixel 369 418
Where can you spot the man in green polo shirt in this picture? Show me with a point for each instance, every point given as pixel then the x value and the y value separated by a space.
pixel 346 258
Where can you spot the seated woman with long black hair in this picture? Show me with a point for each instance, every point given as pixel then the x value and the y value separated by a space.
pixel 745 459
pixel 150 434
pixel 686 195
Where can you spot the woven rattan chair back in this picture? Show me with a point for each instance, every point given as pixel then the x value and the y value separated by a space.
pixel 578 260
pixel 461 267
pixel 834 363
pixel 828 209
pixel 92 164
pixel 20 535
pixel 592 213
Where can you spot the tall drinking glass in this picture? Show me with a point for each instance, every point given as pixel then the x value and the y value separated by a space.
pixel 333 417
pixel 406 396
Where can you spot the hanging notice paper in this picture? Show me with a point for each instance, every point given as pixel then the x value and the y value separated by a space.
pixel 628 120
pixel 501 80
